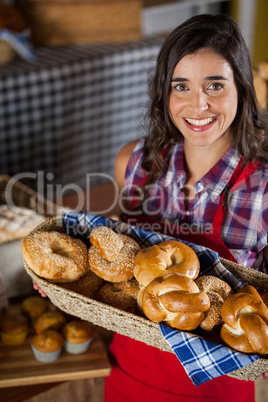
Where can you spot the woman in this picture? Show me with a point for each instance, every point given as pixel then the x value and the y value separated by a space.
pixel 202 172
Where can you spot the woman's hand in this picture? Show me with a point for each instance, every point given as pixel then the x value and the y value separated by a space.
pixel 36 287
pixel 264 376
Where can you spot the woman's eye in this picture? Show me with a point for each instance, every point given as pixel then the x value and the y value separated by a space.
pixel 215 86
pixel 181 87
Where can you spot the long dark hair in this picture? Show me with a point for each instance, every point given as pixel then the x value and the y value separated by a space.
pixel 221 34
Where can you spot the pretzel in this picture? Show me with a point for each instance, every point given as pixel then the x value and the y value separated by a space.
pixel 217 291
pixel 167 256
pixel 174 299
pixel 245 318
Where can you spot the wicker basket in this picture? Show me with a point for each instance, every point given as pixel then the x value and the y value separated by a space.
pixel 64 22
pixel 125 323
pixel 12 191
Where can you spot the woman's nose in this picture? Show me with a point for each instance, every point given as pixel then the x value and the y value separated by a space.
pixel 199 102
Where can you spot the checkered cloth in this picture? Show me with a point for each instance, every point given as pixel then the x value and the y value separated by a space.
pixel 70 111
pixel 202 359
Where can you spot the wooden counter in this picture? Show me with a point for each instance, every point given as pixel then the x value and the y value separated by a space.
pixel 19 367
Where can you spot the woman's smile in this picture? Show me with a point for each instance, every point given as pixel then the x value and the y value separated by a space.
pixel 200 124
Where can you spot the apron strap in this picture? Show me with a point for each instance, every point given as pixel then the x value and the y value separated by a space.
pixel 239 177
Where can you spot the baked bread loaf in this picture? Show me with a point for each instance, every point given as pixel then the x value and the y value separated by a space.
pixel 16 223
pixel 263 69
pixel 217 291
pixel 166 257
pixel 120 268
pixel 261 89
pixel 121 295
pixel 87 285
pixel 55 256
pixel 174 299
pixel 245 317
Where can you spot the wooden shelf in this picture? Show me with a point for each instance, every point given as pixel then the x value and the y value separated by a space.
pixel 18 366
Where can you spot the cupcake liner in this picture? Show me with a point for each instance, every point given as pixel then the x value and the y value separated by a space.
pixel 77 348
pixel 46 357
pixel 14 339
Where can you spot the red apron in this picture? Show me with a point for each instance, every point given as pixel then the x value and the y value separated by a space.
pixel 144 373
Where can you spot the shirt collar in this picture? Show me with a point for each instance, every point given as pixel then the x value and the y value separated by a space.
pixel 213 182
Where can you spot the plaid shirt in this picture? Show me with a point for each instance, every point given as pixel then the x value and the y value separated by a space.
pixel 245 226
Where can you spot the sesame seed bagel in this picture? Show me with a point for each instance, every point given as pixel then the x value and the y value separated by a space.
pixel 119 270
pixel 55 256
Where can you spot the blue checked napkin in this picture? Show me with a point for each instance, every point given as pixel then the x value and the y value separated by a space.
pixel 20 42
pixel 202 359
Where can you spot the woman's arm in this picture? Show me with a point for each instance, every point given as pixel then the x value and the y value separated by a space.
pixel 121 162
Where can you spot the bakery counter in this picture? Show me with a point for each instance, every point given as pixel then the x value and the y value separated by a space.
pixel 19 367
pixel 21 375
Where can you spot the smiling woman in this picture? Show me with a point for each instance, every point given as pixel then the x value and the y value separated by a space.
pixel 203 164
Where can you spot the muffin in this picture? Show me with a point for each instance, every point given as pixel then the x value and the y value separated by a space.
pixel 50 320
pixel 33 307
pixel 14 329
pixel 77 336
pixel 47 345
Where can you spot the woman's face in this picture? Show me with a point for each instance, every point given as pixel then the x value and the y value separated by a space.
pixel 203 99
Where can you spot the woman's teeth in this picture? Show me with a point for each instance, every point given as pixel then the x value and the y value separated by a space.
pixel 202 122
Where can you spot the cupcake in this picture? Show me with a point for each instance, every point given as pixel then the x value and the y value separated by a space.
pixel 14 329
pixel 77 336
pixel 50 320
pixel 47 345
pixel 33 307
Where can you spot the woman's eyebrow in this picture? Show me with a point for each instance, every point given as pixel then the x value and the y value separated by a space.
pixel 178 79
pixel 216 78
pixel 210 77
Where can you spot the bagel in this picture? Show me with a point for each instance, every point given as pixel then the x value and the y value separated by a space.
pixel 174 299
pixel 107 242
pixel 217 291
pixel 122 295
pixel 119 269
pixel 55 256
pixel 170 256
pixel 245 317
